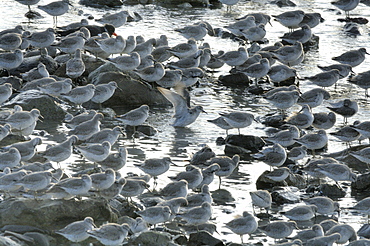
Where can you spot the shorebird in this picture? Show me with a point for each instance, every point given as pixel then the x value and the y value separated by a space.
pixel 311 19
pixel 42 39
pixel 238 119
pixel 347 108
pixel 184 115
pixel 261 199
pixel 193 175
pixel 28 3
pixel 314 141
pixel 303 35
pixel 78 186
pixel 227 166
pixel 279 229
pixel 75 67
pixel 115 160
pixel 197 32
pixel 155 167
pixel 95 152
pixel 135 117
pixel 103 92
pixel 10 60
pixel 229 4
pixel 60 152
pixel 87 128
pixel 346 5
pixel 110 234
pixel 80 94
pixel 290 19
pixel 156 214
pixel 56 9
pixel 77 231
pixel 127 62
pixel 301 212
pixel 116 19
pixel 302 119
pixel 361 80
pixel 325 205
pixel 246 224
pixel 10 41
pixel 352 57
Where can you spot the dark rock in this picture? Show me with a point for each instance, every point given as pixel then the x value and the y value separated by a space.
pixel 256 90
pixel 14 81
pixel 358 20
pixel 287 82
pixel 263 182
pixel 144 129
pixel 154 238
pixel 35 99
pixel 204 238
pixel 282 195
pixel 99 3
pixel 32 62
pixel 53 214
pixel 284 3
pixel 132 93
pixel 273 120
pixel 236 79
pixel 332 191
pixel 33 15
pixel 193 3
pixel 222 196
pixel 296 180
pixel 243 144
pixel 362 183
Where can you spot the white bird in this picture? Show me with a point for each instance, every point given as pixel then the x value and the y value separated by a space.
pixel 184 115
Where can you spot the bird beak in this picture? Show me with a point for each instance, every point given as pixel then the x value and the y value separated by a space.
pixel 41 118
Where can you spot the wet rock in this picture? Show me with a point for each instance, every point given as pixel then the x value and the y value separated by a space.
pixel 235 80
pixel 284 3
pixel 193 3
pixel 362 183
pixel 5 241
pixel 272 120
pixel 332 191
pixel 35 99
pixel 32 62
pixel 180 240
pixel 33 15
pixel 53 214
pixel 265 183
pixel 142 129
pixel 358 20
pixel 288 82
pixel 14 81
pixel 99 3
pixel 243 144
pixel 296 180
pixel 222 196
pixel 154 238
pixel 204 238
pixel 133 92
pixel 282 195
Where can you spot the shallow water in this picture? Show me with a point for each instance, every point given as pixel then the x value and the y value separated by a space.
pixel 180 143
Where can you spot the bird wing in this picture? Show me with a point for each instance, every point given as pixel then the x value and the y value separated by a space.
pixel 177 101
